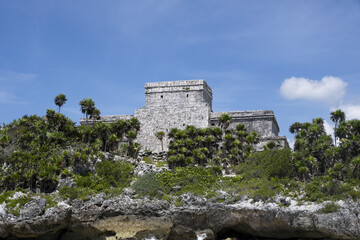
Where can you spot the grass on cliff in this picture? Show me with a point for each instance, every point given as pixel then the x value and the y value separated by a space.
pixel 261 177
pixel 109 177
pixel 205 182
pixel 329 207
pixel 14 204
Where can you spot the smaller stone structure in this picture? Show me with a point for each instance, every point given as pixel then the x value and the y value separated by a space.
pixel 176 104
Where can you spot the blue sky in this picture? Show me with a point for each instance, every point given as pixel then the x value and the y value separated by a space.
pixel 298 58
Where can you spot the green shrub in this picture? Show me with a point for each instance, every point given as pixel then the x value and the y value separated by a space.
pixel 256 188
pixel 178 202
pixel 268 163
pixel 148 160
pixel 50 202
pixel 147 184
pixel 161 163
pixel 167 197
pixel 325 188
pixel 37 149
pixel 114 174
pixel 313 191
pixel 110 177
pixel 329 207
pixel 75 193
pixel 197 180
pixel 14 205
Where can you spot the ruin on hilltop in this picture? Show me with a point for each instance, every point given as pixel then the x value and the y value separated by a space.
pixel 176 104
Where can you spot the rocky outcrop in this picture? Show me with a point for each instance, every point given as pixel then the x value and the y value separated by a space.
pixel 125 218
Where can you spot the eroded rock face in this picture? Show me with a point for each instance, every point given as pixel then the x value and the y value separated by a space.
pixel 125 218
pixel 142 168
pixel 33 209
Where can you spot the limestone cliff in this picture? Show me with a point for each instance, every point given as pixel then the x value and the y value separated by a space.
pixel 123 217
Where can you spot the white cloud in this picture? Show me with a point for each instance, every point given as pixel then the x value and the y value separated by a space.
pixel 351 111
pixel 8 98
pixel 329 129
pixel 11 76
pixel 329 90
pixel 291 142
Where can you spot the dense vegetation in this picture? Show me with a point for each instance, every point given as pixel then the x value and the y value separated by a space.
pixel 37 152
pixel 317 169
pixel 215 146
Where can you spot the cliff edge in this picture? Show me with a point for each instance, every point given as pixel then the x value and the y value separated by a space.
pixel 124 217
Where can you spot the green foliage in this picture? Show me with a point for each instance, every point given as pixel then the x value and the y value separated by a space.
pixel 261 189
pixel 148 160
pixel 74 193
pixel 114 174
pixel 87 107
pixel 205 182
pixel 329 207
pixel 311 144
pixel 267 164
pixel 36 150
pixel 148 184
pixel 194 146
pixel 315 154
pixel 50 202
pixel 60 100
pixel 161 163
pixel 110 177
pixel 225 121
pixel 13 205
pixel 324 188
pixel 178 202
pixel 160 135
pixel 197 180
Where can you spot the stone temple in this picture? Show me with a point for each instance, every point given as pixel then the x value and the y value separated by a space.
pixel 176 104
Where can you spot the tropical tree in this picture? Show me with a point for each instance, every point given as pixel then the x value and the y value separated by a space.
pixel 160 135
pixel 95 114
pixel 203 146
pixel 225 120
pixel 349 133
pixel 103 131
pixel 60 100
pixel 87 107
pixel 311 149
pixel 134 124
pixel 295 127
pixel 337 116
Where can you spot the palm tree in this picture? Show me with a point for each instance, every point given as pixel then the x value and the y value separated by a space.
pixel 60 100
pixel 103 131
pixel 87 107
pixel 225 120
pixel 95 114
pixel 295 127
pixel 134 124
pixel 160 136
pixel 337 116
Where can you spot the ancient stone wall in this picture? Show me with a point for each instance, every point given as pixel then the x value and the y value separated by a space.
pixel 261 121
pixel 106 119
pixel 176 104
pixel 172 105
pixel 177 93
pixel 153 120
